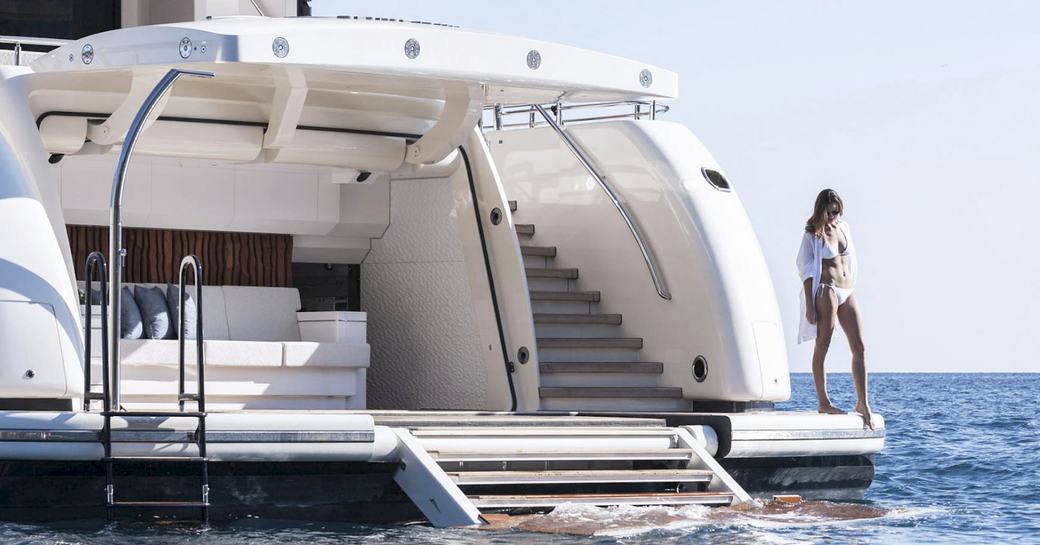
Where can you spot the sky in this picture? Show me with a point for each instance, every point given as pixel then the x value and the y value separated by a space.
pixel 924 116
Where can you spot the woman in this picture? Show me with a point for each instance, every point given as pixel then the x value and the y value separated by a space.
pixel 827 265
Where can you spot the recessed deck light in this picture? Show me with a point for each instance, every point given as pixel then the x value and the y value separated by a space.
pixel 87 54
pixel 646 78
pixel 534 59
pixel 411 48
pixel 185 48
pixel 280 46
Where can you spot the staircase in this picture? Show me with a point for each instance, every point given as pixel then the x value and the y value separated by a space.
pixel 538 468
pixel 587 363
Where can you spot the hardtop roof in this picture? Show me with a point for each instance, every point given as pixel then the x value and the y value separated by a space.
pixel 397 58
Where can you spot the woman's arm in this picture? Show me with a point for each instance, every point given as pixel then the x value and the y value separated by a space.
pixel 810 306
pixel 806 270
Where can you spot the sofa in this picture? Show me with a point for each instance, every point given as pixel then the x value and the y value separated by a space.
pixel 260 351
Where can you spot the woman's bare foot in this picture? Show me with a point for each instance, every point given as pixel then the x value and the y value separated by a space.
pixel 864 411
pixel 827 408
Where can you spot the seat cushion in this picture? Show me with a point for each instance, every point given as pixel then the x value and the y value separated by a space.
pixel 326 354
pixel 190 312
pixel 154 314
pixel 252 353
pixel 262 314
pixel 164 352
pixel 130 325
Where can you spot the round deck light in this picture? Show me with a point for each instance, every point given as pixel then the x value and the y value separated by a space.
pixel 280 46
pixel 411 48
pixel 185 48
pixel 87 54
pixel 534 59
pixel 646 78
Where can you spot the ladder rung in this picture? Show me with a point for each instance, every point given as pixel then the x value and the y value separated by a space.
pixel 158 504
pixel 94 396
pixel 171 414
pixel 187 397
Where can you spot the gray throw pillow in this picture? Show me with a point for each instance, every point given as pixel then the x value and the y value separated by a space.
pixel 130 326
pixel 190 312
pixel 154 314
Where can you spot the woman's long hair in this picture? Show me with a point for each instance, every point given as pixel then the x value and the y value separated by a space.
pixel 818 219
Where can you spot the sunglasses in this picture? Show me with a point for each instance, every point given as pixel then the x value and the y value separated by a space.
pixel 833 212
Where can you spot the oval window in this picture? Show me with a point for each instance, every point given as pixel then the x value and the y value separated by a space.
pixel 716 179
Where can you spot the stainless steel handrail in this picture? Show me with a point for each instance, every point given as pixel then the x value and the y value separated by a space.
pixel 116 252
pixel 633 225
pixel 529 124
pixel 19 41
pixel 30 40
pixel 192 263
pixel 95 260
pixel 499 111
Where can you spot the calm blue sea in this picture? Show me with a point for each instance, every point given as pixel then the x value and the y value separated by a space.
pixel 961 465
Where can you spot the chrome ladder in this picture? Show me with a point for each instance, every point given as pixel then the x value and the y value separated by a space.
pixel 198 437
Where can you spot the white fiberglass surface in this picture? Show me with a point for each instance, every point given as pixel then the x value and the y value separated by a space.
pixel 722 307
pixel 373 56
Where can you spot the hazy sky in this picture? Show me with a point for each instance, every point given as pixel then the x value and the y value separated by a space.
pixel 924 115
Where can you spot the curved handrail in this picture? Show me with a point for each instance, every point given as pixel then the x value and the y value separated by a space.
pixel 633 226
pixel 116 251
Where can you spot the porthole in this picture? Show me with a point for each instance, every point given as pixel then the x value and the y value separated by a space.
pixel 496 216
pixel 716 179
pixel 700 368
pixel 523 355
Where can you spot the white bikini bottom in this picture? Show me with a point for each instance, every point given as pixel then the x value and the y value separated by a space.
pixel 843 294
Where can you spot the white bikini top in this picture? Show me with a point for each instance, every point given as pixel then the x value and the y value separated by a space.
pixel 830 252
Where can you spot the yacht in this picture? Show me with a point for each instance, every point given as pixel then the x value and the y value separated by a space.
pixel 349 268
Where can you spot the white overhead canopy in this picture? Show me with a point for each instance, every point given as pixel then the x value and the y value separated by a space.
pixel 373 56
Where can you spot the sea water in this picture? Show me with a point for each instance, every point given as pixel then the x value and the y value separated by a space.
pixel 961 465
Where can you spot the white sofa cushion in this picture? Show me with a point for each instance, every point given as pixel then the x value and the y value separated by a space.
pixel 298 354
pixel 255 353
pixel 164 352
pixel 262 314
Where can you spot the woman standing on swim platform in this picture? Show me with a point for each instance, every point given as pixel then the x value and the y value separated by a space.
pixel 827 266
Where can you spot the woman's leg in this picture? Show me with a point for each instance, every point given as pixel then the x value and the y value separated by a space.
pixel 848 316
pixel 826 303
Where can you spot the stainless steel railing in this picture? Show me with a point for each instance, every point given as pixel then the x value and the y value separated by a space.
pixel 18 42
pixel 116 252
pixel 638 109
pixel 630 220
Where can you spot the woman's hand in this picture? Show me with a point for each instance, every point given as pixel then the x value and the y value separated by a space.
pixel 810 315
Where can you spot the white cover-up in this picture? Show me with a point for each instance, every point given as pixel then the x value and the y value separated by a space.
pixel 810 265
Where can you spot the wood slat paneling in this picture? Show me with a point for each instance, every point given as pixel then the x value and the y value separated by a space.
pixel 228 259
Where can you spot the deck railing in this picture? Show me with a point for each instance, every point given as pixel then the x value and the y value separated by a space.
pixel 601 111
pixel 19 43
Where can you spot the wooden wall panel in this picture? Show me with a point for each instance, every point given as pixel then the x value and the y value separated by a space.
pixel 228 259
